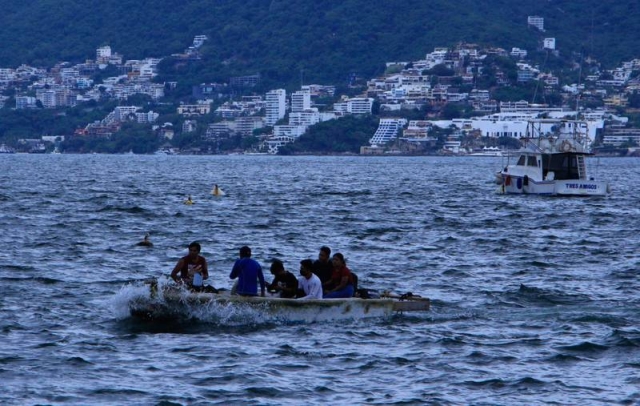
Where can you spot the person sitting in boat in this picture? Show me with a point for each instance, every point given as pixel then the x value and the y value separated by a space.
pixel 309 285
pixel 191 269
pixel 249 273
pixel 323 267
pixel 145 242
pixel 341 283
pixel 284 281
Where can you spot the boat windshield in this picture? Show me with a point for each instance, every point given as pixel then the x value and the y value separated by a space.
pixel 564 166
pixel 527 160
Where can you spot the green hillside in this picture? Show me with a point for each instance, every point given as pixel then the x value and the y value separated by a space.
pixel 326 40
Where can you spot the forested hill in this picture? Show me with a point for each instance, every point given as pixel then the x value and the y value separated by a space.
pixel 326 39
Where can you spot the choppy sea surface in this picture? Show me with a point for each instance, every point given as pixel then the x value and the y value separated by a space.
pixel 535 299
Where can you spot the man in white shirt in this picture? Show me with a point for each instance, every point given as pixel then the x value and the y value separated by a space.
pixel 309 283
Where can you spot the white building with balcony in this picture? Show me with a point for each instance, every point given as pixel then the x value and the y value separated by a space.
pixel 300 101
pixel 276 105
pixel 387 130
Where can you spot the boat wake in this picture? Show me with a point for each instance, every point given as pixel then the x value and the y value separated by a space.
pixel 138 301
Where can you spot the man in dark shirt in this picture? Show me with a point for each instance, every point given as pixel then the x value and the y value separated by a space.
pixel 284 282
pixel 323 267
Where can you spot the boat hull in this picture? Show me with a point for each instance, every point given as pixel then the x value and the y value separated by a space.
pixel 512 184
pixel 176 303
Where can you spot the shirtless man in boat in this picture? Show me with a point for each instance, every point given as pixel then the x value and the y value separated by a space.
pixel 192 268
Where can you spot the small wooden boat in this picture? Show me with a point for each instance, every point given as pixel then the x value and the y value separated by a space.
pixel 174 301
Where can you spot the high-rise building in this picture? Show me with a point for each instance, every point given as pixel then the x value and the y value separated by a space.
pixel 387 130
pixel 300 101
pixel 276 103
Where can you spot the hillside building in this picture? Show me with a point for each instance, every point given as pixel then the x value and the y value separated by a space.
pixel 387 130
pixel 537 22
pixel 300 101
pixel 549 43
pixel 276 104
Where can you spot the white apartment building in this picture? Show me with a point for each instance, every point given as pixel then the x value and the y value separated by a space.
pixel 536 21
pixel 103 53
pixel 518 53
pixel 276 105
pixel 300 101
pixel 417 129
pixel 47 98
pixel 387 130
pixel 121 113
pixel 360 105
pixel 520 125
pixel 59 97
pixel 293 131
pixel 198 40
pixel 220 130
pixel 357 105
pixel 6 75
pixel 246 125
pixel 549 43
pixel 194 109
pixel 305 118
pixel 189 126
pixel 320 90
pixel 149 117
pixel 25 102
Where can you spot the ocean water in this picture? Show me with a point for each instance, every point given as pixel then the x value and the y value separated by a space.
pixel 534 299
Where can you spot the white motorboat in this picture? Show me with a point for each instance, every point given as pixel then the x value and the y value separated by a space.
pixel 488 151
pixel 553 164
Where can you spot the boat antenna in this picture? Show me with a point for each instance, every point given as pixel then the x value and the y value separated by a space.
pixel 535 91
pixel 579 82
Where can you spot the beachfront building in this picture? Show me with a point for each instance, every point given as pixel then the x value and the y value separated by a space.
pixel 387 130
